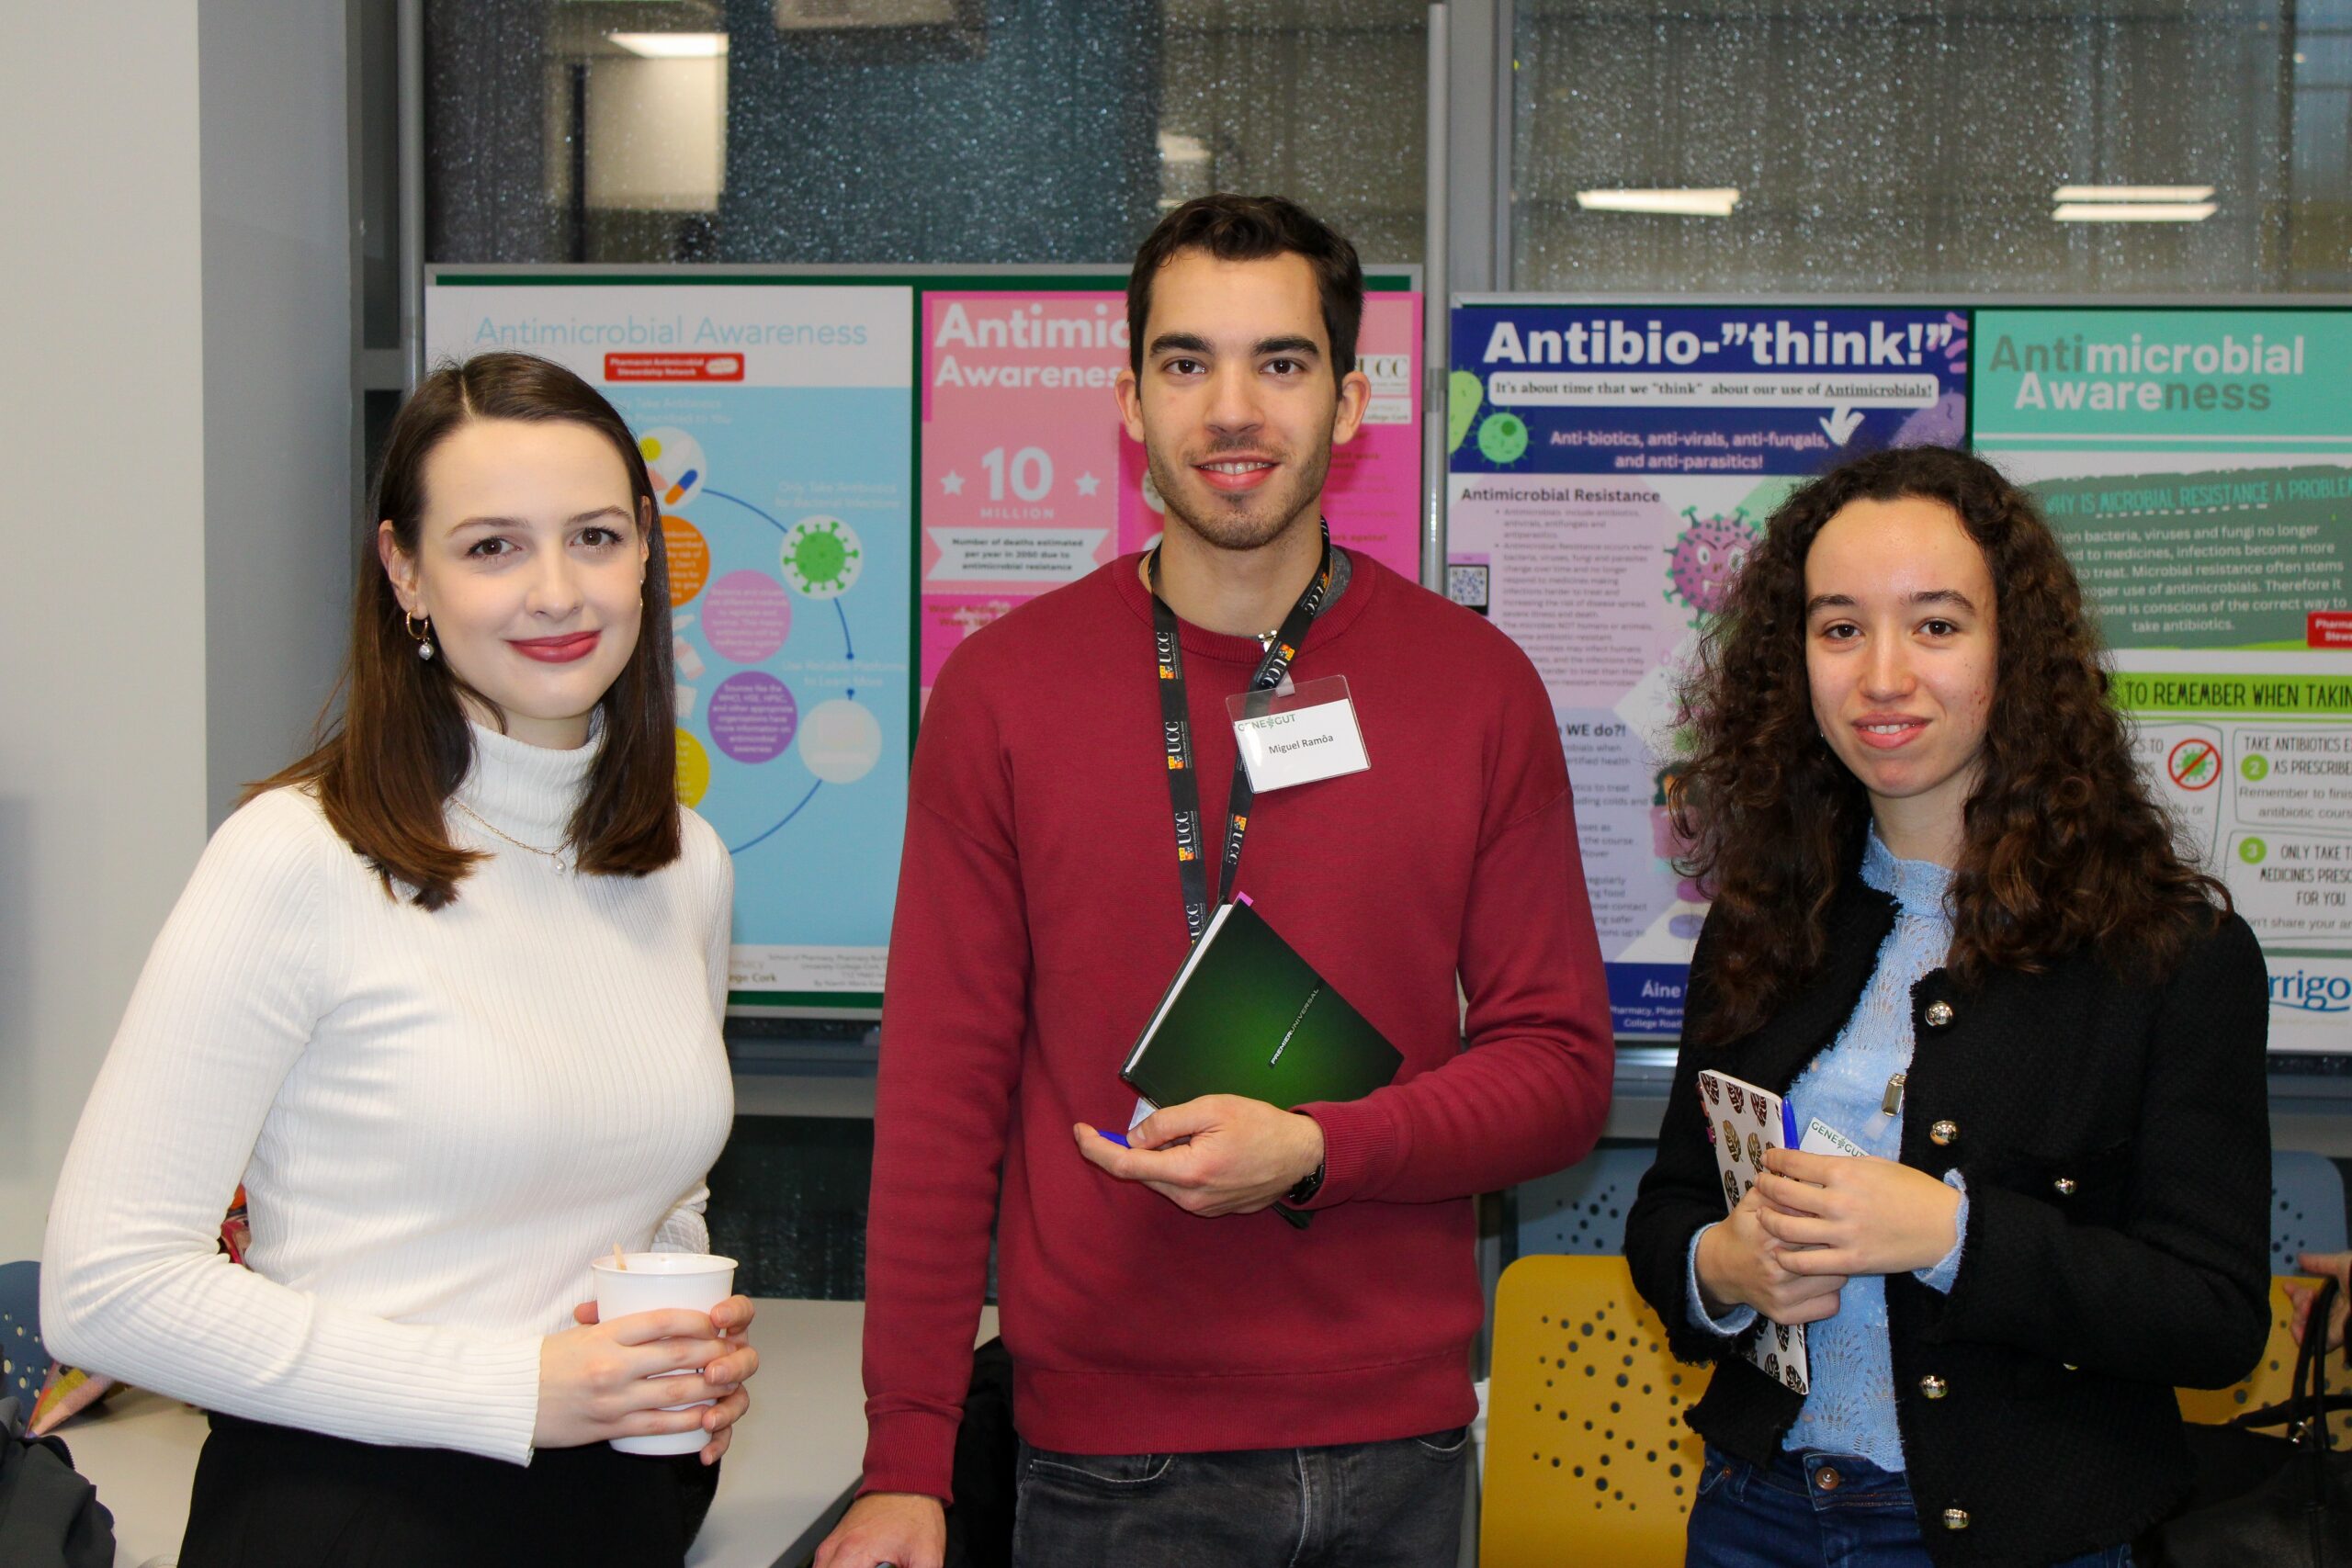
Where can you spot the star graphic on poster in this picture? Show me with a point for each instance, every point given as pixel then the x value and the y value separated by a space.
pixel 952 482
pixel 1088 484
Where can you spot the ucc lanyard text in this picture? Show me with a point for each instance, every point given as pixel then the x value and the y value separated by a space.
pixel 1176 724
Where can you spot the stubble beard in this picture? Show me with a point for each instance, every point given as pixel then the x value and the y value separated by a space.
pixel 1249 522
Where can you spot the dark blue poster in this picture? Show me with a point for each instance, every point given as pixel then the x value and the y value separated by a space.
pixel 1611 470
pixel 1718 389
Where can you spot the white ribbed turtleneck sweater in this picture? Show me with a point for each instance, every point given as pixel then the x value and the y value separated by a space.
pixel 439 1118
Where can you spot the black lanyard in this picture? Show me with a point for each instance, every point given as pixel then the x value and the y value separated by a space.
pixel 1183 786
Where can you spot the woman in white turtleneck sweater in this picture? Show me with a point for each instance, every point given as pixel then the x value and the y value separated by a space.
pixel 445 997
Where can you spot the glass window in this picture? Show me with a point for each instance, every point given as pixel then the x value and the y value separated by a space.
pixel 930 132
pixel 1326 100
pixel 1934 145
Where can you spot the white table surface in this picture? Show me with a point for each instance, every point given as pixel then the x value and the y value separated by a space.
pixel 788 1474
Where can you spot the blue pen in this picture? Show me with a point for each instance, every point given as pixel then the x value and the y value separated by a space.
pixel 1788 1123
pixel 1118 1138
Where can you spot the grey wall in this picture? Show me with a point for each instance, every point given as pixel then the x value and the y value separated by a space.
pixel 278 529
pixel 176 330
pixel 102 715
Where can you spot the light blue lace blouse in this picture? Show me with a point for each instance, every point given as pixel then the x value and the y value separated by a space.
pixel 1850 1408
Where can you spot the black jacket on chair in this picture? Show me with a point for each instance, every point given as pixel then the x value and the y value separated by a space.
pixel 2115 1140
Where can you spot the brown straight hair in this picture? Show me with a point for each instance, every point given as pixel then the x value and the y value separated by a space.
pixel 400 746
pixel 1251 227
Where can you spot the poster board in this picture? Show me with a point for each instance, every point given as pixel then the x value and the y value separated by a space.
pixel 1606 475
pixel 1610 467
pixel 776 418
pixel 859 468
pixel 2198 463
pixel 1029 482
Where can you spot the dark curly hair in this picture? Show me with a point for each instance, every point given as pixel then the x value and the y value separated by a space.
pixel 2062 847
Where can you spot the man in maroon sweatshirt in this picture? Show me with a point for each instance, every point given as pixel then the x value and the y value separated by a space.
pixel 1196 1381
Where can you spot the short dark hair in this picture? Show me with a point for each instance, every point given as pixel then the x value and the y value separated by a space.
pixel 1251 227
pixel 383 767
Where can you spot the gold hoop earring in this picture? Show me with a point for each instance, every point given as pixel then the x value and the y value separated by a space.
pixel 425 649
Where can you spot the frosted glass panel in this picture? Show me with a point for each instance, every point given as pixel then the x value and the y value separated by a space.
pixel 908 130
pixel 1920 144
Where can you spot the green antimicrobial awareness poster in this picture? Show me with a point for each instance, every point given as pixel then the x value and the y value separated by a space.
pixel 2199 464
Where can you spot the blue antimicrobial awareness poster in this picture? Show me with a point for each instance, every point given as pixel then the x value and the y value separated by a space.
pixel 776 419
pixel 1609 469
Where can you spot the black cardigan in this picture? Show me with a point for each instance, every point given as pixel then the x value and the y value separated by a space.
pixel 2115 1139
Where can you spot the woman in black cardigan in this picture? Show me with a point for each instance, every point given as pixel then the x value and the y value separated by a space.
pixel 1950 921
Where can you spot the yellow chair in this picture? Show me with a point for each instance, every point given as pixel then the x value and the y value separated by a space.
pixel 1586 1456
pixel 2273 1377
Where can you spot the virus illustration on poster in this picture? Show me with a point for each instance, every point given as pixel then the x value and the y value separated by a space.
pixel 1945 422
pixel 1956 348
pixel 822 557
pixel 1464 394
pixel 1503 439
pixel 1706 555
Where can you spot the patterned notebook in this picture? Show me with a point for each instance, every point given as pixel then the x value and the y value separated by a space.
pixel 1742 1123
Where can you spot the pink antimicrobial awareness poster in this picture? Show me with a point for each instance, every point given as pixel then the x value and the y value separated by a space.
pixel 1029 480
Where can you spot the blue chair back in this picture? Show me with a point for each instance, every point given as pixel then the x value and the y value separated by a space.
pixel 1581 1209
pixel 24 1364
pixel 2306 1207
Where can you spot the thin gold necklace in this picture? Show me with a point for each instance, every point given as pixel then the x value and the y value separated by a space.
pixel 555 856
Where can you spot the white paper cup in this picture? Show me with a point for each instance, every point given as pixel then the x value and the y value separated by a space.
pixel 654 1282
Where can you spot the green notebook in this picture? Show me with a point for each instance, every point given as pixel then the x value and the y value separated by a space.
pixel 1247 1015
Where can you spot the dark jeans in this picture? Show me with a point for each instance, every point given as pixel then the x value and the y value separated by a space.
pixel 1786 1517
pixel 1395 1504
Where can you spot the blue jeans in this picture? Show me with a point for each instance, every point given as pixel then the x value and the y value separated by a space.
pixel 1394 1505
pixel 1815 1510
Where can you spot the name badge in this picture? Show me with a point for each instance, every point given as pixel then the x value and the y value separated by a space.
pixel 1298 736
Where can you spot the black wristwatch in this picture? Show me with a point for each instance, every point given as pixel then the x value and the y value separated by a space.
pixel 1303 1193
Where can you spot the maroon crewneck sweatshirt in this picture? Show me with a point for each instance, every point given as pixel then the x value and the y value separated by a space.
pixel 1039 920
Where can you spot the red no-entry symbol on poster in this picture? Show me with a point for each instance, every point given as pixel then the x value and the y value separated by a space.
pixel 2194 764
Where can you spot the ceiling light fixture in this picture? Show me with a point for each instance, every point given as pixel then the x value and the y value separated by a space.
pixel 672 46
pixel 1177 147
pixel 2133 193
pixel 2133 212
pixel 1713 202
